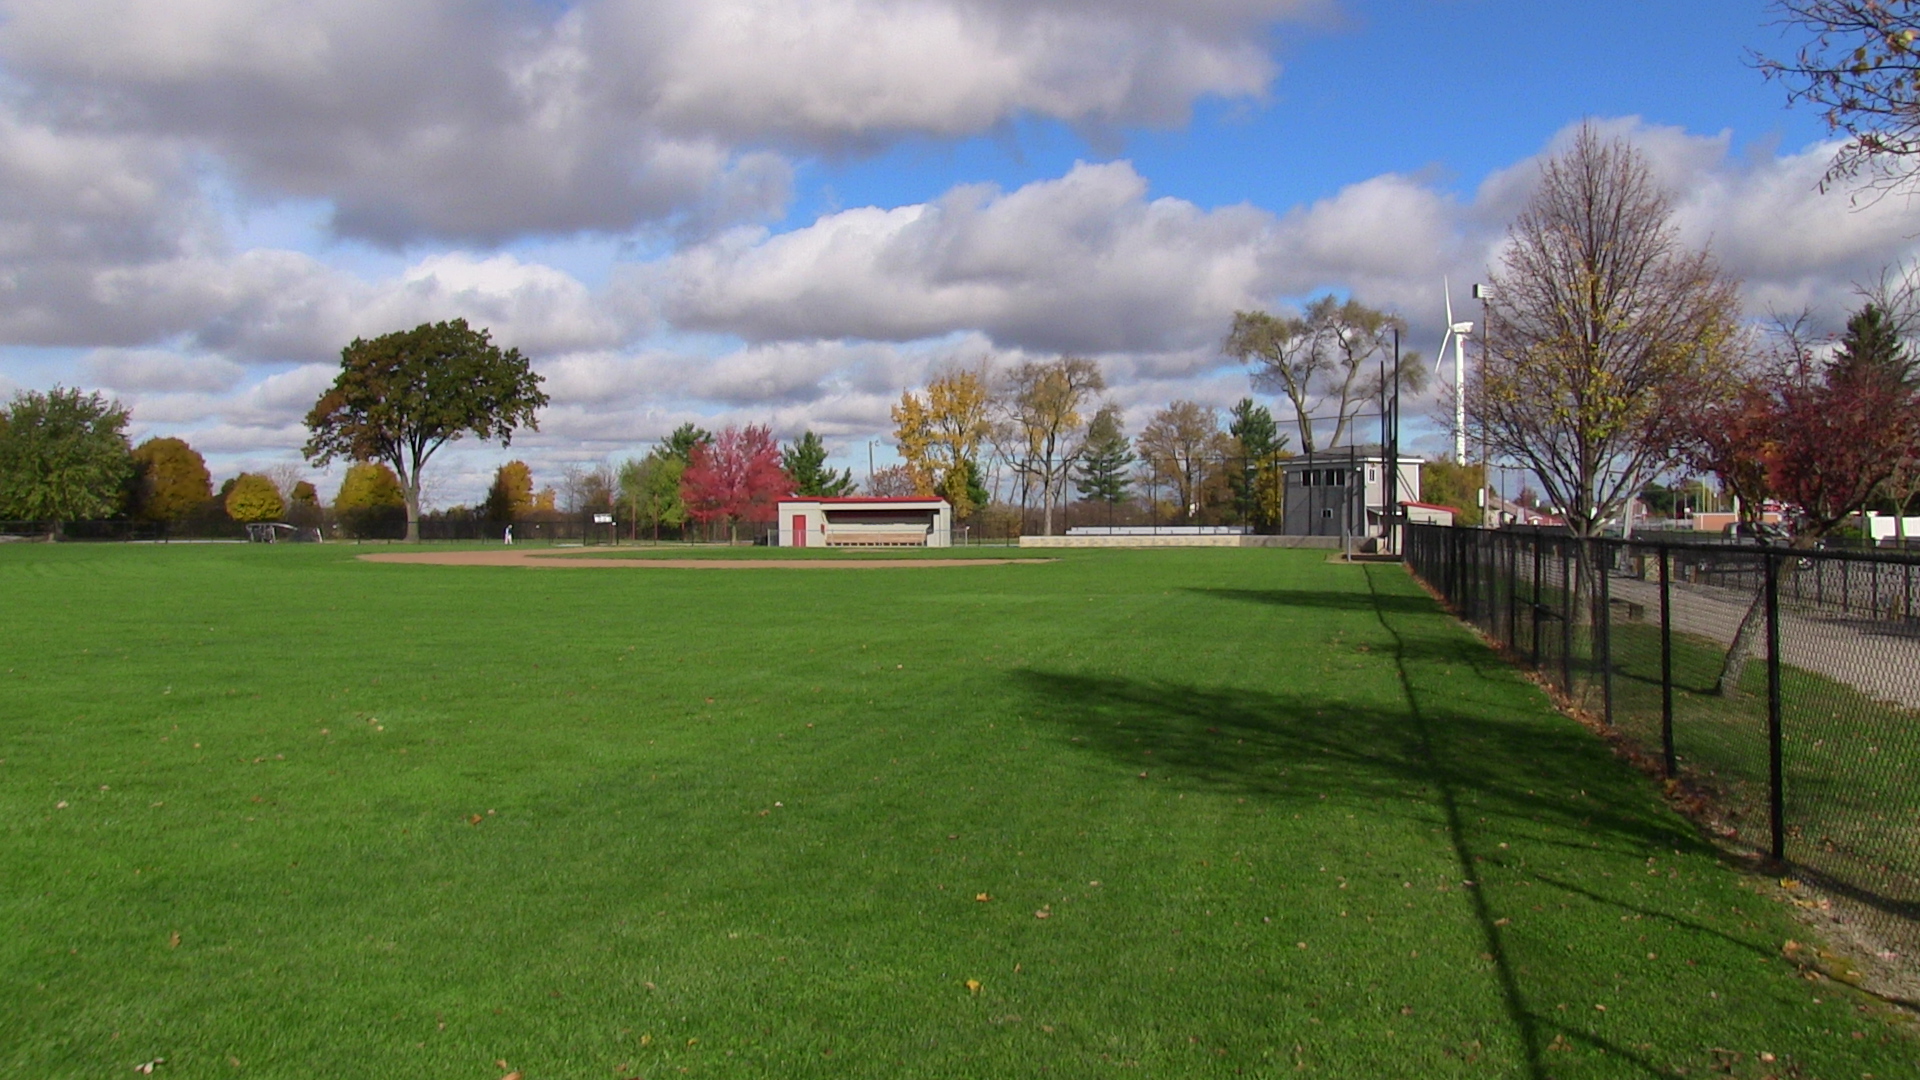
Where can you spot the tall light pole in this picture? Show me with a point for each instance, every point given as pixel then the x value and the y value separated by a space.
pixel 1484 294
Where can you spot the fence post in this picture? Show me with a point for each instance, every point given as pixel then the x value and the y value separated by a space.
pixel 1777 814
pixel 1567 608
pixel 1666 660
pixel 1513 592
pixel 1603 626
pixel 1537 555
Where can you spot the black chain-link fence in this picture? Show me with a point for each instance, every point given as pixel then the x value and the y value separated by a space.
pixel 1783 684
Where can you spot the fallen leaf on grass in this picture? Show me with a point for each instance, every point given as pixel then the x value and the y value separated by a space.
pixel 973 986
pixel 146 1067
pixel 981 898
pixel 173 940
pixel 1043 913
pixel 475 819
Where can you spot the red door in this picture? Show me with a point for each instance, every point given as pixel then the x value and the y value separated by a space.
pixel 799 530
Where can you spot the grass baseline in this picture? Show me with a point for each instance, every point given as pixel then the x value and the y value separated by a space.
pixel 405 821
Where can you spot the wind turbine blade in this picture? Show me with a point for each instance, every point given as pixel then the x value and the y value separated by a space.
pixel 1446 287
pixel 1441 356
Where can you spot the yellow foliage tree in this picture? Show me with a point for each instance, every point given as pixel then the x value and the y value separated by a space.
pixel 254 498
pixel 511 494
pixel 940 434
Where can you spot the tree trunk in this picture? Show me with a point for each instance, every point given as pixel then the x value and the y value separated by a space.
pixel 1744 636
pixel 1738 653
pixel 413 509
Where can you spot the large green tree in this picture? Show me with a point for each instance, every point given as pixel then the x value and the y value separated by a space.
pixel 805 461
pixel 402 396
pixel 63 457
pixel 1450 483
pixel 650 490
pixel 171 480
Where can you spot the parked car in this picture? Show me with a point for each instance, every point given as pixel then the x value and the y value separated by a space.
pixel 1756 532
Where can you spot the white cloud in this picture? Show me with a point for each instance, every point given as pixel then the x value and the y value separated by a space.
pixel 281 305
pixel 441 118
pixel 1085 262
pixel 160 370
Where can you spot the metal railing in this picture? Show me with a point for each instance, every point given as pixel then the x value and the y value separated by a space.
pixel 1783 684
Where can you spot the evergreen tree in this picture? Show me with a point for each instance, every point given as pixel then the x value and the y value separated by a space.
pixel 976 489
pixel 804 462
pixel 680 444
pixel 1872 347
pixel 1102 472
pixel 1257 446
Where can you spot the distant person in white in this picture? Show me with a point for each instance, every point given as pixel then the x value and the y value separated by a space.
pixel 509 536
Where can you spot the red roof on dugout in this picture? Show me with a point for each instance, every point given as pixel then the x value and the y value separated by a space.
pixel 859 499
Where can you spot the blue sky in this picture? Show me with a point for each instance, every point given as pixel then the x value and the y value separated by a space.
pixel 1456 87
pixel 764 211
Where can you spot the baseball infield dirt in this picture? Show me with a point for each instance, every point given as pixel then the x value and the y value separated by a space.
pixel 549 559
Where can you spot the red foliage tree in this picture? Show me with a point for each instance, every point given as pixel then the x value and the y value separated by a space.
pixel 736 477
pixel 1819 437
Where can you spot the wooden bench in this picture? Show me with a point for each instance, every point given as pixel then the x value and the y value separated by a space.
pixel 912 536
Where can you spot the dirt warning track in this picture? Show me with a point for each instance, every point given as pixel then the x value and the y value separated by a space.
pixel 549 560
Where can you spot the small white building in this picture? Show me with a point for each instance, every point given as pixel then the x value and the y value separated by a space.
pixel 866 522
pixel 1420 513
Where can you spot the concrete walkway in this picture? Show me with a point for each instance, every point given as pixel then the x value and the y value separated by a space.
pixel 1880 658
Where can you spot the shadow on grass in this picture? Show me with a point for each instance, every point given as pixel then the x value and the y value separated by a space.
pixel 1327 599
pixel 1431 751
pixel 1288 747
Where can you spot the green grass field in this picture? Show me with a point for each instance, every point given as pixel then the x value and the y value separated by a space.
pixel 270 811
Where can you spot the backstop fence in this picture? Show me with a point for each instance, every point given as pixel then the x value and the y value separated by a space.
pixel 1783 684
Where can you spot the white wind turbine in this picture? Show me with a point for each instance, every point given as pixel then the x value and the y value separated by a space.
pixel 1457 333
